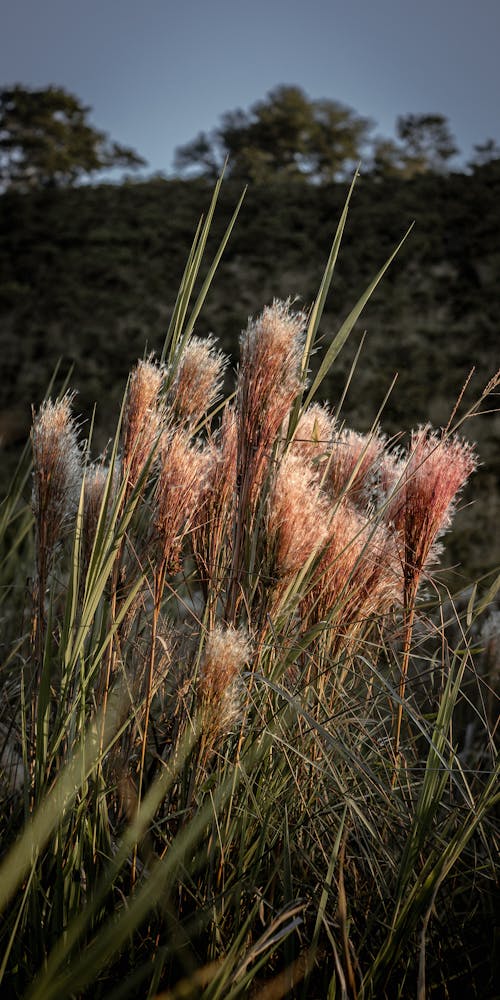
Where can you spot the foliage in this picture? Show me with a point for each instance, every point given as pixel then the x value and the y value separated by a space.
pixel 45 139
pixel 285 135
pixel 485 153
pixel 290 136
pixel 215 782
pixel 427 143
pixel 424 144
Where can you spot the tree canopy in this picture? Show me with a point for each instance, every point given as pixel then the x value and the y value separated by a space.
pixel 423 144
pixel 286 134
pixel 45 139
pixel 427 142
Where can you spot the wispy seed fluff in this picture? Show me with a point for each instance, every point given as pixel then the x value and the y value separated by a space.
pixel 180 481
pixel 268 382
pixel 226 652
pixel 353 465
pixel 96 481
pixel 198 380
pixel 297 516
pixel 57 470
pixel 421 508
pixel 143 418
pixel 314 435
pixel 358 577
pixel 275 337
pixel 215 504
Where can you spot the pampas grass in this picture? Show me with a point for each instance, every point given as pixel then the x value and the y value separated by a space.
pixel 225 770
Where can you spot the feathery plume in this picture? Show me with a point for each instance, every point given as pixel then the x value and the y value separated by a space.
pixel 268 382
pixel 422 507
pixel 337 586
pixel 297 516
pixel 96 478
pixel 226 651
pixel 180 480
pixel 57 471
pixel 198 380
pixel 420 510
pixel 314 434
pixel 382 589
pixel 353 465
pixel 389 478
pixel 358 578
pixel 143 419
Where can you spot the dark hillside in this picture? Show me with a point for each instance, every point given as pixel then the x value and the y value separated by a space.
pixel 91 274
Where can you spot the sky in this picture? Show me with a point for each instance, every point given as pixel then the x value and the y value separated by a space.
pixel 157 72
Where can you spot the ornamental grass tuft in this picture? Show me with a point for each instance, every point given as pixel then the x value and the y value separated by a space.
pixel 248 736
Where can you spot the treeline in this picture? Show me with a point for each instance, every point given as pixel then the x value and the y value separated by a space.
pixel 289 135
pixel 90 275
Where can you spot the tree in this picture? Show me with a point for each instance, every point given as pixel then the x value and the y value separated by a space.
pixel 484 153
pixel 427 143
pixel 45 140
pixel 284 135
pixel 386 159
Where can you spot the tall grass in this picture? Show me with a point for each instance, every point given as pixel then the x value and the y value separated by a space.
pixel 248 739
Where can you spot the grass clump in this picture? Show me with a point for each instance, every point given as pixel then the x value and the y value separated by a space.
pixel 241 755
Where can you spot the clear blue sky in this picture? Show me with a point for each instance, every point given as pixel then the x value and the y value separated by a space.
pixel 156 72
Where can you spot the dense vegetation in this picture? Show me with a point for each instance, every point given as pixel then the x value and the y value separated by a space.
pixel 90 275
pixel 244 755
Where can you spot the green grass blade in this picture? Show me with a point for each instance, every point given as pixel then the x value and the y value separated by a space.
pixel 339 340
